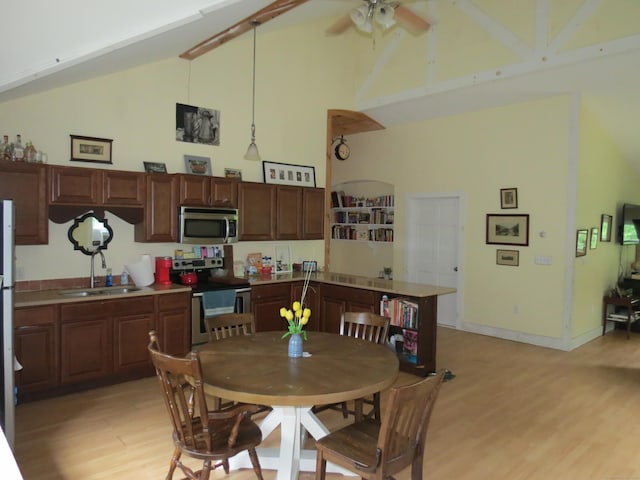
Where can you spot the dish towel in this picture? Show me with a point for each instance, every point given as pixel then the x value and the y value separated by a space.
pixel 217 302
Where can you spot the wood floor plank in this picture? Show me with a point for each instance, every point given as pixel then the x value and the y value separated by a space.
pixel 513 412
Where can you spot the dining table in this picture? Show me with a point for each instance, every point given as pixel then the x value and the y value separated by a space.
pixel 256 369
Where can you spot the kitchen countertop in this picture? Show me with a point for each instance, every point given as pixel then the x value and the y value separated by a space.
pixel 48 297
pixel 378 284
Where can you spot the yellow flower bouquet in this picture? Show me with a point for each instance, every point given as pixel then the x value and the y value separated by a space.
pixel 298 316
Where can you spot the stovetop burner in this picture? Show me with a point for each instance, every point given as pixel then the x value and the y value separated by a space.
pixel 205 269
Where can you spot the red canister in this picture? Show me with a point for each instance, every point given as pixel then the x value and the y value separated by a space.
pixel 163 267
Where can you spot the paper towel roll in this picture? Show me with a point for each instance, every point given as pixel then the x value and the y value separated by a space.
pixel 141 272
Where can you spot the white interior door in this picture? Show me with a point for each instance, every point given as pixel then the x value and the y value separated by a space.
pixel 433 253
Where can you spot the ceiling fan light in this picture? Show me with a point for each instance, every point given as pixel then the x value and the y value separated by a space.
pixel 360 18
pixel 384 15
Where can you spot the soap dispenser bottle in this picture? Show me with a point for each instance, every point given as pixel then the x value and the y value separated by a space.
pixel 109 280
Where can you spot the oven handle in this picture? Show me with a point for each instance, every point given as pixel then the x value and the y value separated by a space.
pixel 237 290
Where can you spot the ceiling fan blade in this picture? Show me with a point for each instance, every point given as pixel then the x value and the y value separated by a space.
pixel 271 11
pixel 410 19
pixel 340 25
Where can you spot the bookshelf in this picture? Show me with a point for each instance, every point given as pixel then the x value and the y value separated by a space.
pixel 362 218
pixel 413 323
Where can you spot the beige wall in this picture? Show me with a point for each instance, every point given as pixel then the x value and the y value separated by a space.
pixel 136 108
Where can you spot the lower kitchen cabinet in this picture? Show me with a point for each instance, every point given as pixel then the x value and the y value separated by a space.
pixel 266 302
pixel 336 299
pixel 37 348
pixel 79 345
pixel 174 316
pixel 311 300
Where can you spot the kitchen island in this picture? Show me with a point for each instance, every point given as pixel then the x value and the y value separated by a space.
pixel 332 294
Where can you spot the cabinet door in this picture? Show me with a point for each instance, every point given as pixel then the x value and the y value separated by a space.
pixel 86 348
pixel 132 321
pixel 336 299
pixel 195 190
pixel 26 184
pixel 74 186
pixel 311 300
pixel 123 188
pixel 161 210
pixel 36 348
pixel 313 203
pixel 257 209
pixel 266 302
pixel 224 192
pixel 289 213
pixel 174 328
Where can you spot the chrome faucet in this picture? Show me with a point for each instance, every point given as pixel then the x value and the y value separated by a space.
pixel 104 265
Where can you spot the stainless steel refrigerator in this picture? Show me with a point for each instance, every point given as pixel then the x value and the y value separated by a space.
pixel 7 408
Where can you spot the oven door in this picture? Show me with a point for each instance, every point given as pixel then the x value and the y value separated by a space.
pixel 199 333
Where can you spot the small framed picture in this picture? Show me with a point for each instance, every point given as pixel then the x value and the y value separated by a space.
pixel 91 149
pixel 582 238
pixel 593 243
pixel 233 173
pixel 154 167
pixel 508 257
pixel 507 229
pixel 605 227
pixel 508 198
pixel 283 259
pixel 197 165
pixel 288 174
pixel 311 265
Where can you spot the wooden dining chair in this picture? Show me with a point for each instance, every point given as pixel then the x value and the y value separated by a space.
pixel 229 325
pixel 378 451
pixel 365 326
pixel 210 436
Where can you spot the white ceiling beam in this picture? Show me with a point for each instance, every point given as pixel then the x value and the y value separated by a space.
pixel 584 12
pixel 542 25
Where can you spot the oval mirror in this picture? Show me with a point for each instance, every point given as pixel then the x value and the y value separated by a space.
pixel 89 233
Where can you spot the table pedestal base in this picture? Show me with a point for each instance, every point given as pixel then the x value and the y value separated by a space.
pixel 290 458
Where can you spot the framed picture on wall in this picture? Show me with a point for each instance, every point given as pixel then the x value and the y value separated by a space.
pixel 605 227
pixel 508 198
pixel 507 229
pixel 582 238
pixel 508 257
pixel 593 243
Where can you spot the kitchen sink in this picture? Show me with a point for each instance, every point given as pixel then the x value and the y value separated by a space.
pixel 91 292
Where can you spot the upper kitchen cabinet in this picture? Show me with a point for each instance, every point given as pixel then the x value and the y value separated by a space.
pixel 200 190
pixel 25 183
pixel 257 209
pixel 160 222
pixel 289 212
pixel 313 213
pixel 89 186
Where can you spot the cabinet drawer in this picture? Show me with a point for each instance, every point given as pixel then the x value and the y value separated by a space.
pixel 174 301
pixel 270 291
pixel 35 316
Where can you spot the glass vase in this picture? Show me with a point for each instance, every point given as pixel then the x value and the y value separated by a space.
pixel 295 345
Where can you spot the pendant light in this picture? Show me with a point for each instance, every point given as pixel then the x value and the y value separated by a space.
pixel 252 151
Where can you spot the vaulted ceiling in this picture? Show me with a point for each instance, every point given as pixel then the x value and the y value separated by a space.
pixel 96 39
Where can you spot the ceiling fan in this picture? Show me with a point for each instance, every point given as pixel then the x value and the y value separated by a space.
pixel 384 13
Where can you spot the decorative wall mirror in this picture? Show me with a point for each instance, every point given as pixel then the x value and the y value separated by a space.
pixel 90 233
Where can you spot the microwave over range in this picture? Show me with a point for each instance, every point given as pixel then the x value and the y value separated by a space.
pixel 207 226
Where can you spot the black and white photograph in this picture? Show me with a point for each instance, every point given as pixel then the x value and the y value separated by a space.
pixel 197 124
pixel 507 229
pixel 289 174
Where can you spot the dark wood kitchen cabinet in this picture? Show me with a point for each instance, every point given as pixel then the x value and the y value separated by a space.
pixel 311 300
pixel 36 345
pixel 257 206
pixel 174 322
pixel 26 184
pixel 132 321
pixel 313 203
pixel 336 299
pixel 160 222
pixel 289 212
pixel 86 342
pixel 266 302
pixel 199 190
pixel 90 186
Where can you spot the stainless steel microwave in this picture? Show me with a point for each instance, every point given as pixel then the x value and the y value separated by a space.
pixel 207 226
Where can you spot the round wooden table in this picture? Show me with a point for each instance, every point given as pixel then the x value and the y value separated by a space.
pixel 256 369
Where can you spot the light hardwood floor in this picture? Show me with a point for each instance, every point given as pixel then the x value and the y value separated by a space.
pixel 514 411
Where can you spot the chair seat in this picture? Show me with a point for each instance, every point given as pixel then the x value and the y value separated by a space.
pixel 249 435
